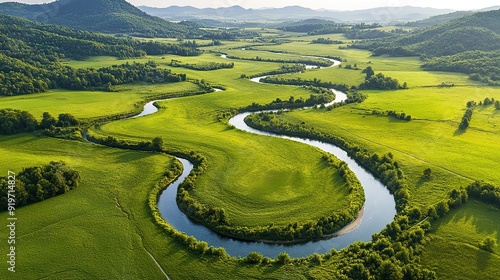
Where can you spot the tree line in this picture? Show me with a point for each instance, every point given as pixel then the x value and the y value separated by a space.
pixel 467 117
pixel 284 69
pixel 34 184
pixel 482 66
pixel 207 66
pixel 373 33
pixel 471 105
pixel 14 121
pixel 372 81
pixel 317 62
pixel 326 41
pixel 304 82
pixel 323 97
pixel 19 78
pixel 398 115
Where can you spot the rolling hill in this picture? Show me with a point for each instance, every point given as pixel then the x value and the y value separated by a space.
pixel 479 31
pixel 107 16
pixel 439 19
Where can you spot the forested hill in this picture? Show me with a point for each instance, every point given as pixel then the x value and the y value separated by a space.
pixel 107 16
pixel 439 19
pixel 470 44
pixel 480 31
pixel 30 54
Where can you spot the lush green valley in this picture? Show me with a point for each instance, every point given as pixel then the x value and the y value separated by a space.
pixel 84 177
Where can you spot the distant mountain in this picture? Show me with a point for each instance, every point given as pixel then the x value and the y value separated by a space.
pixel 380 15
pixel 490 9
pixel 108 16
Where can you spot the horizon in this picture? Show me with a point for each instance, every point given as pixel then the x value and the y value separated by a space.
pixel 341 5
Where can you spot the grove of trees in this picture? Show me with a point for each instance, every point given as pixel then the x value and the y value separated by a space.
pixel 379 81
pixel 34 184
pixel 16 121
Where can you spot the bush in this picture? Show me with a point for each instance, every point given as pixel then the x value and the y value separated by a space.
pixel 283 258
pixel 488 244
pixel 254 258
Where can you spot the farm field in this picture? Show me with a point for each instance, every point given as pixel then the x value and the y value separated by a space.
pixel 104 229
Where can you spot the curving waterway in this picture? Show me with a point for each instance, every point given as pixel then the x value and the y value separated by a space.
pixel 379 208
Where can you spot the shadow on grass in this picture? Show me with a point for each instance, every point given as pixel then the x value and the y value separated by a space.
pixel 459 132
pixel 422 180
pixel 124 156
pixel 483 259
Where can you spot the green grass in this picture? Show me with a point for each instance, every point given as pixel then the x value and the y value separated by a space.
pixel 87 104
pixel 84 229
pixel 453 250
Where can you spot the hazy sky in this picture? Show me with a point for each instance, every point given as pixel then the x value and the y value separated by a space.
pixel 315 4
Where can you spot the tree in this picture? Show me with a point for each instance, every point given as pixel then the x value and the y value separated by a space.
pixel 442 208
pixel 254 257
pixel 283 258
pixel 358 271
pixel 157 144
pixel 65 120
pixel 464 124
pixel 497 105
pixel 369 72
pixel 427 173
pixel 47 121
pixel 389 271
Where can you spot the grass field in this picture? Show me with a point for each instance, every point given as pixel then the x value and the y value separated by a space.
pixel 103 229
pixel 88 104
pixel 453 250
pixel 258 180
pixel 84 228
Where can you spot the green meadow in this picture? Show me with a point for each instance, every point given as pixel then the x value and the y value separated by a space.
pixel 453 249
pixel 104 229
pixel 88 104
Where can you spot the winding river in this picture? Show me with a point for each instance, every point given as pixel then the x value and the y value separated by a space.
pixel 378 211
